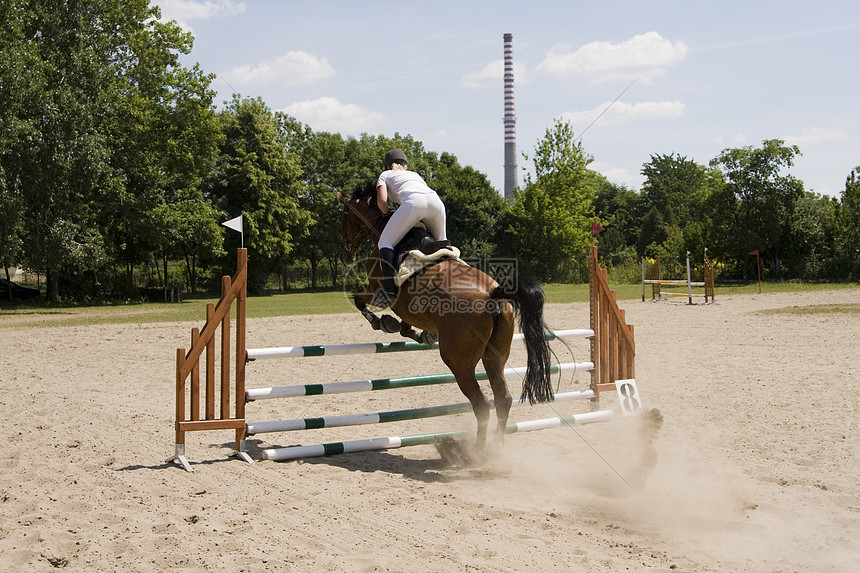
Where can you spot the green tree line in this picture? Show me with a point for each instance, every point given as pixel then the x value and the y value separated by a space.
pixel 117 168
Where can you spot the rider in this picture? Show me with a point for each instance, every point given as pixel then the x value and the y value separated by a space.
pixel 417 201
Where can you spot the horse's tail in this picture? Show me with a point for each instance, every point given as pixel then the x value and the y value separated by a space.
pixel 527 297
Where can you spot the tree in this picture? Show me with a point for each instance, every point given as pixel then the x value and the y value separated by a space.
pixel 11 229
pixel 811 236
pixel 472 206
pixel 670 183
pixel 257 177
pixel 654 233
pixel 324 172
pixel 165 138
pixel 673 189
pixel 193 234
pixel 16 58
pixel 766 198
pixel 620 211
pixel 54 151
pixel 849 227
pixel 100 126
pixel 548 225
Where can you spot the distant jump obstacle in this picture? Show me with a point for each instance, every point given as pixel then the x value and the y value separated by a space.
pixel 612 350
pixel 656 282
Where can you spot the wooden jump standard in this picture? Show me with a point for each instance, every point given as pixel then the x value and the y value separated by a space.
pixel 655 281
pixel 612 354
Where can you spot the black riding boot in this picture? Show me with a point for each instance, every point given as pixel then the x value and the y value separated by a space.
pixel 387 292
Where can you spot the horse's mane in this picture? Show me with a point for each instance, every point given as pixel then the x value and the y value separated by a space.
pixel 364 190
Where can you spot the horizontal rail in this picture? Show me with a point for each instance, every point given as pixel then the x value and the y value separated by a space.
pixel 681 294
pixel 378 347
pixel 389 383
pixel 296 452
pixel 385 417
pixel 673 282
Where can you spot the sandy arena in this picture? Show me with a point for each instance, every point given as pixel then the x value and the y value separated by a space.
pixel 756 468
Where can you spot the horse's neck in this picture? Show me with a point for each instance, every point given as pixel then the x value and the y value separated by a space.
pixel 373 269
pixel 378 224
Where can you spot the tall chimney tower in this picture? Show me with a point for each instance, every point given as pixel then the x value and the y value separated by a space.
pixel 510 121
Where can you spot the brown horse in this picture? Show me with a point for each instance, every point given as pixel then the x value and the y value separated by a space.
pixel 472 314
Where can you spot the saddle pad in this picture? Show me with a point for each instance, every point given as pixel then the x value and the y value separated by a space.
pixel 415 260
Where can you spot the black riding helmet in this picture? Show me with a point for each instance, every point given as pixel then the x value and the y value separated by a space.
pixel 394 156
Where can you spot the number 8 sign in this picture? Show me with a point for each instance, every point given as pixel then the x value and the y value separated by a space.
pixel 628 396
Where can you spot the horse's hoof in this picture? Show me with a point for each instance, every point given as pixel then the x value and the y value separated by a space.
pixel 389 324
pixel 429 338
pixel 456 452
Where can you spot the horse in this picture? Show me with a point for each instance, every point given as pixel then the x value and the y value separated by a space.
pixel 470 312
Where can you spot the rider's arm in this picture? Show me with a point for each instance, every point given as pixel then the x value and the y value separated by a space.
pixel 382 198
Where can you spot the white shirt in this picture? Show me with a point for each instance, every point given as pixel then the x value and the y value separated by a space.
pixel 401 183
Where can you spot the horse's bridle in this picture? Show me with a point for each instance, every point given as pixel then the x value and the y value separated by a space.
pixel 352 246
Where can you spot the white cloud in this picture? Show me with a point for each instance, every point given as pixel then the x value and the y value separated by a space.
pixel 737 140
pixel 329 114
pixel 493 74
pixel 622 113
pixel 184 10
pixel 813 135
pixel 291 69
pixel 643 57
pixel 618 175
pixel 196 10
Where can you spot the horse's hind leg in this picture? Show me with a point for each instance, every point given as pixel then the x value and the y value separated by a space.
pixel 494 359
pixel 468 384
pixel 455 352
pixel 501 396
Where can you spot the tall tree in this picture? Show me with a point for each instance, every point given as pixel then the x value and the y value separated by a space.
pixel 189 228
pixel 100 124
pixel 670 183
pixel 766 197
pixel 164 138
pixel 472 205
pixel 653 235
pixel 548 224
pixel 673 188
pixel 57 155
pixel 849 227
pixel 259 178
pixel 324 172
pixel 17 58
pixel 811 237
pixel 619 210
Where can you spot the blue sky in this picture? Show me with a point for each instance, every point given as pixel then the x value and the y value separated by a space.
pixel 693 77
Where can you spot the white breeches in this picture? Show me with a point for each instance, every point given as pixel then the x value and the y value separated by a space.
pixel 424 207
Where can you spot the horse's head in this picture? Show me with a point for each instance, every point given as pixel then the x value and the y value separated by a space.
pixel 359 220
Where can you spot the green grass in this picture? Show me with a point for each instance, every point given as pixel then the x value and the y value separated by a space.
pixel 193 310
pixel 562 293
pixel 853 308
pixel 333 302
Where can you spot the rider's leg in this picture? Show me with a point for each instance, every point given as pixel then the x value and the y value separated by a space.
pixel 435 219
pixel 401 221
pixel 386 256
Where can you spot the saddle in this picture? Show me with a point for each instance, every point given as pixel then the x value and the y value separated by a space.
pixel 418 251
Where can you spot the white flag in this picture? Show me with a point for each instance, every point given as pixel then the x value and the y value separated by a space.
pixel 235 224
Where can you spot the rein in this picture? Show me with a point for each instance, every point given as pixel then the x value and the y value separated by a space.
pixel 362 235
